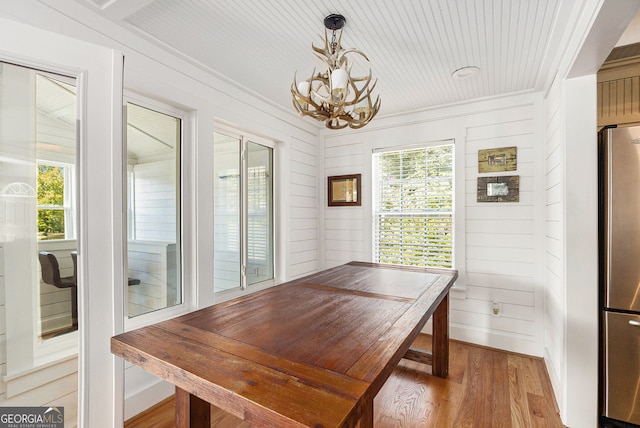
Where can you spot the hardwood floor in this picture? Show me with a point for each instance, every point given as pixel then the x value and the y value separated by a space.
pixel 485 388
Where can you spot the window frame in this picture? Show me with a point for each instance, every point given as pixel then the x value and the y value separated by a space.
pixel 272 144
pixel 452 212
pixel 68 206
pixel 186 289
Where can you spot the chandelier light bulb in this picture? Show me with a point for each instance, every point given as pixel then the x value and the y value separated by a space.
pixel 362 109
pixel 304 87
pixel 339 79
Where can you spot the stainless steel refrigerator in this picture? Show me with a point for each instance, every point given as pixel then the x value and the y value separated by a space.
pixel 619 188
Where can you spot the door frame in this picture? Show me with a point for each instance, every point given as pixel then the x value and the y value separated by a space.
pixel 99 72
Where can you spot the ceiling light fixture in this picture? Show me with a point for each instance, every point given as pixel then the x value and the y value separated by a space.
pixel 335 96
pixel 464 72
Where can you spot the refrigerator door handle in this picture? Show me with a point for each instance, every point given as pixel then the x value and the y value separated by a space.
pixel 634 323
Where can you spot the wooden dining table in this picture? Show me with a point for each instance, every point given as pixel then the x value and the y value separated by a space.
pixel 312 352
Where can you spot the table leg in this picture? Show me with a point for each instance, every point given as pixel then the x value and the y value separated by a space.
pixel 366 420
pixel 440 339
pixel 191 411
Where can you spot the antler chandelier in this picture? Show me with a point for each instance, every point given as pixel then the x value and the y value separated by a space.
pixel 335 96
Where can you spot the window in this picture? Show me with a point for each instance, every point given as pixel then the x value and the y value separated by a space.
pixel 243 213
pixel 259 218
pixel 55 201
pixel 153 203
pixel 54 178
pixel 413 206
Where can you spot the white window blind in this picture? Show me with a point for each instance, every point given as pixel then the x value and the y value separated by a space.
pixel 258 219
pixel 413 206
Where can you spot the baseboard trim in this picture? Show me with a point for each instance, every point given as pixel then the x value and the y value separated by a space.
pixel 496 340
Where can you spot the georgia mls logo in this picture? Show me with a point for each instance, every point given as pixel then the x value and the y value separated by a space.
pixel 31 417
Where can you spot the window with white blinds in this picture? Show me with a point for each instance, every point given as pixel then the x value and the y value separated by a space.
pixel 413 206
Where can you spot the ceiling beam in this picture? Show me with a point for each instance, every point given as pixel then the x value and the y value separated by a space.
pixel 609 24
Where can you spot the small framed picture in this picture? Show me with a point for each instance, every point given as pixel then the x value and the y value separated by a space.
pixel 499 189
pixel 497 160
pixel 344 190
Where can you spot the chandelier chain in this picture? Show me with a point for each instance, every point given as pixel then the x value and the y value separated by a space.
pixel 334 42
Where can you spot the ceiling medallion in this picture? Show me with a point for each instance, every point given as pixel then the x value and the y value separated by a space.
pixel 334 96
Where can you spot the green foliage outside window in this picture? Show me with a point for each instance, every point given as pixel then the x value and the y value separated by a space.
pixel 413 212
pixel 50 195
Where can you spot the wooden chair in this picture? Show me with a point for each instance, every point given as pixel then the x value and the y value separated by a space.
pixel 51 275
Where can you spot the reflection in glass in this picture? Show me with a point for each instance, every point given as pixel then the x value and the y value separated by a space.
pixel 153 210
pixel 54 173
pixel 55 200
pixel 38 324
pixel 243 213
pixel 260 213
pixel 226 214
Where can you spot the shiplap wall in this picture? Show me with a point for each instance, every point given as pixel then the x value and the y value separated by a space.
pixel 346 228
pixel 502 256
pixel 53 384
pixel 303 224
pixel 153 263
pixel 155 211
pixel 554 237
pixel 501 253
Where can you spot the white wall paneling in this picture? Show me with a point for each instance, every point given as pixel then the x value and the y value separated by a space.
pixel 581 254
pixel 498 256
pixel 554 295
pixel 304 207
pixel 155 213
pixel 571 265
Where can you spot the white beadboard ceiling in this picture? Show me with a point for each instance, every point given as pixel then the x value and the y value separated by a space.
pixel 413 45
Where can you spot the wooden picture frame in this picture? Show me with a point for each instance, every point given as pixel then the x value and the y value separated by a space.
pixel 504 188
pixel 498 160
pixel 344 190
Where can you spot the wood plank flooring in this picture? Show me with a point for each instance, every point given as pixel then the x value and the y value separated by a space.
pixel 485 388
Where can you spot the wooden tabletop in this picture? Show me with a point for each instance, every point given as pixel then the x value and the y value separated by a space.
pixel 310 352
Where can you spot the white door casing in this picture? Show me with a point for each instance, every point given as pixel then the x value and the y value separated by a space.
pixel 99 73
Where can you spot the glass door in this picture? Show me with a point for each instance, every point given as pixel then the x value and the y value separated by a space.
pixel 83 154
pixel 243 213
pixel 38 236
pixel 259 237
